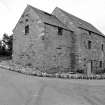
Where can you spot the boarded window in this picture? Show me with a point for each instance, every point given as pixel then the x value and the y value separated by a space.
pixel 89 44
pixel 60 31
pixel 26 29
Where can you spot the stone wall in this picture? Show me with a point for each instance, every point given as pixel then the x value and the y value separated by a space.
pixel 57 49
pixel 42 48
pixel 27 48
pixel 81 55
pixel 93 55
pixel 76 49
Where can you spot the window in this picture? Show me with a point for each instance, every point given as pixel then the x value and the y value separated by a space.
pixel 89 32
pixel 43 37
pixel 102 47
pixel 89 44
pixel 100 64
pixel 60 31
pixel 26 29
pixel 26 20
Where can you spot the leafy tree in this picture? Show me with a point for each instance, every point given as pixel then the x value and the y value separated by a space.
pixel 7 44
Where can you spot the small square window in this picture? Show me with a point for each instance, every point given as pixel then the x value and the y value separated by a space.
pixel 26 20
pixel 60 31
pixel 26 29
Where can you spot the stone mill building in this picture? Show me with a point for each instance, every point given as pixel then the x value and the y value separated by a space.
pixel 57 42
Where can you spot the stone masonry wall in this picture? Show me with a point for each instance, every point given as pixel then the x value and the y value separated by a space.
pixel 57 49
pixel 42 48
pixel 45 50
pixel 28 49
pixel 95 54
pixel 75 50
pixel 81 55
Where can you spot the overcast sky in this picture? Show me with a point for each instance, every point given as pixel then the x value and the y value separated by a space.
pixel 92 11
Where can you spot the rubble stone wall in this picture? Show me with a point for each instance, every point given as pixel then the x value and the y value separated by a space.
pixel 81 55
pixel 57 49
pixel 95 54
pixel 42 48
pixel 27 48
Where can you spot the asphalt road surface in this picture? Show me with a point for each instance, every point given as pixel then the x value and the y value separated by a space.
pixel 20 89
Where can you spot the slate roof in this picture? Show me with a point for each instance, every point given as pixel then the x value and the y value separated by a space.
pixel 49 18
pixel 79 22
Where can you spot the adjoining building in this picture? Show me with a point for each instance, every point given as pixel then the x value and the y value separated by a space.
pixel 57 42
pixel 91 43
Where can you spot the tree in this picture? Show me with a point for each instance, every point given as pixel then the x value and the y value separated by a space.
pixel 7 44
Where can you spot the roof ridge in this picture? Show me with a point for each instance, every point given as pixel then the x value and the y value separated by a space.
pixel 39 10
pixel 79 21
pixel 72 15
pixel 48 18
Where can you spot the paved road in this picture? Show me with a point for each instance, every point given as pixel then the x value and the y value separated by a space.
pixel 19 89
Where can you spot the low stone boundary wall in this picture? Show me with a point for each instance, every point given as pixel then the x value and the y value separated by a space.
pixel 29 71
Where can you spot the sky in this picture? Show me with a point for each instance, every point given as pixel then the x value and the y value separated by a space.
pixel 92 11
